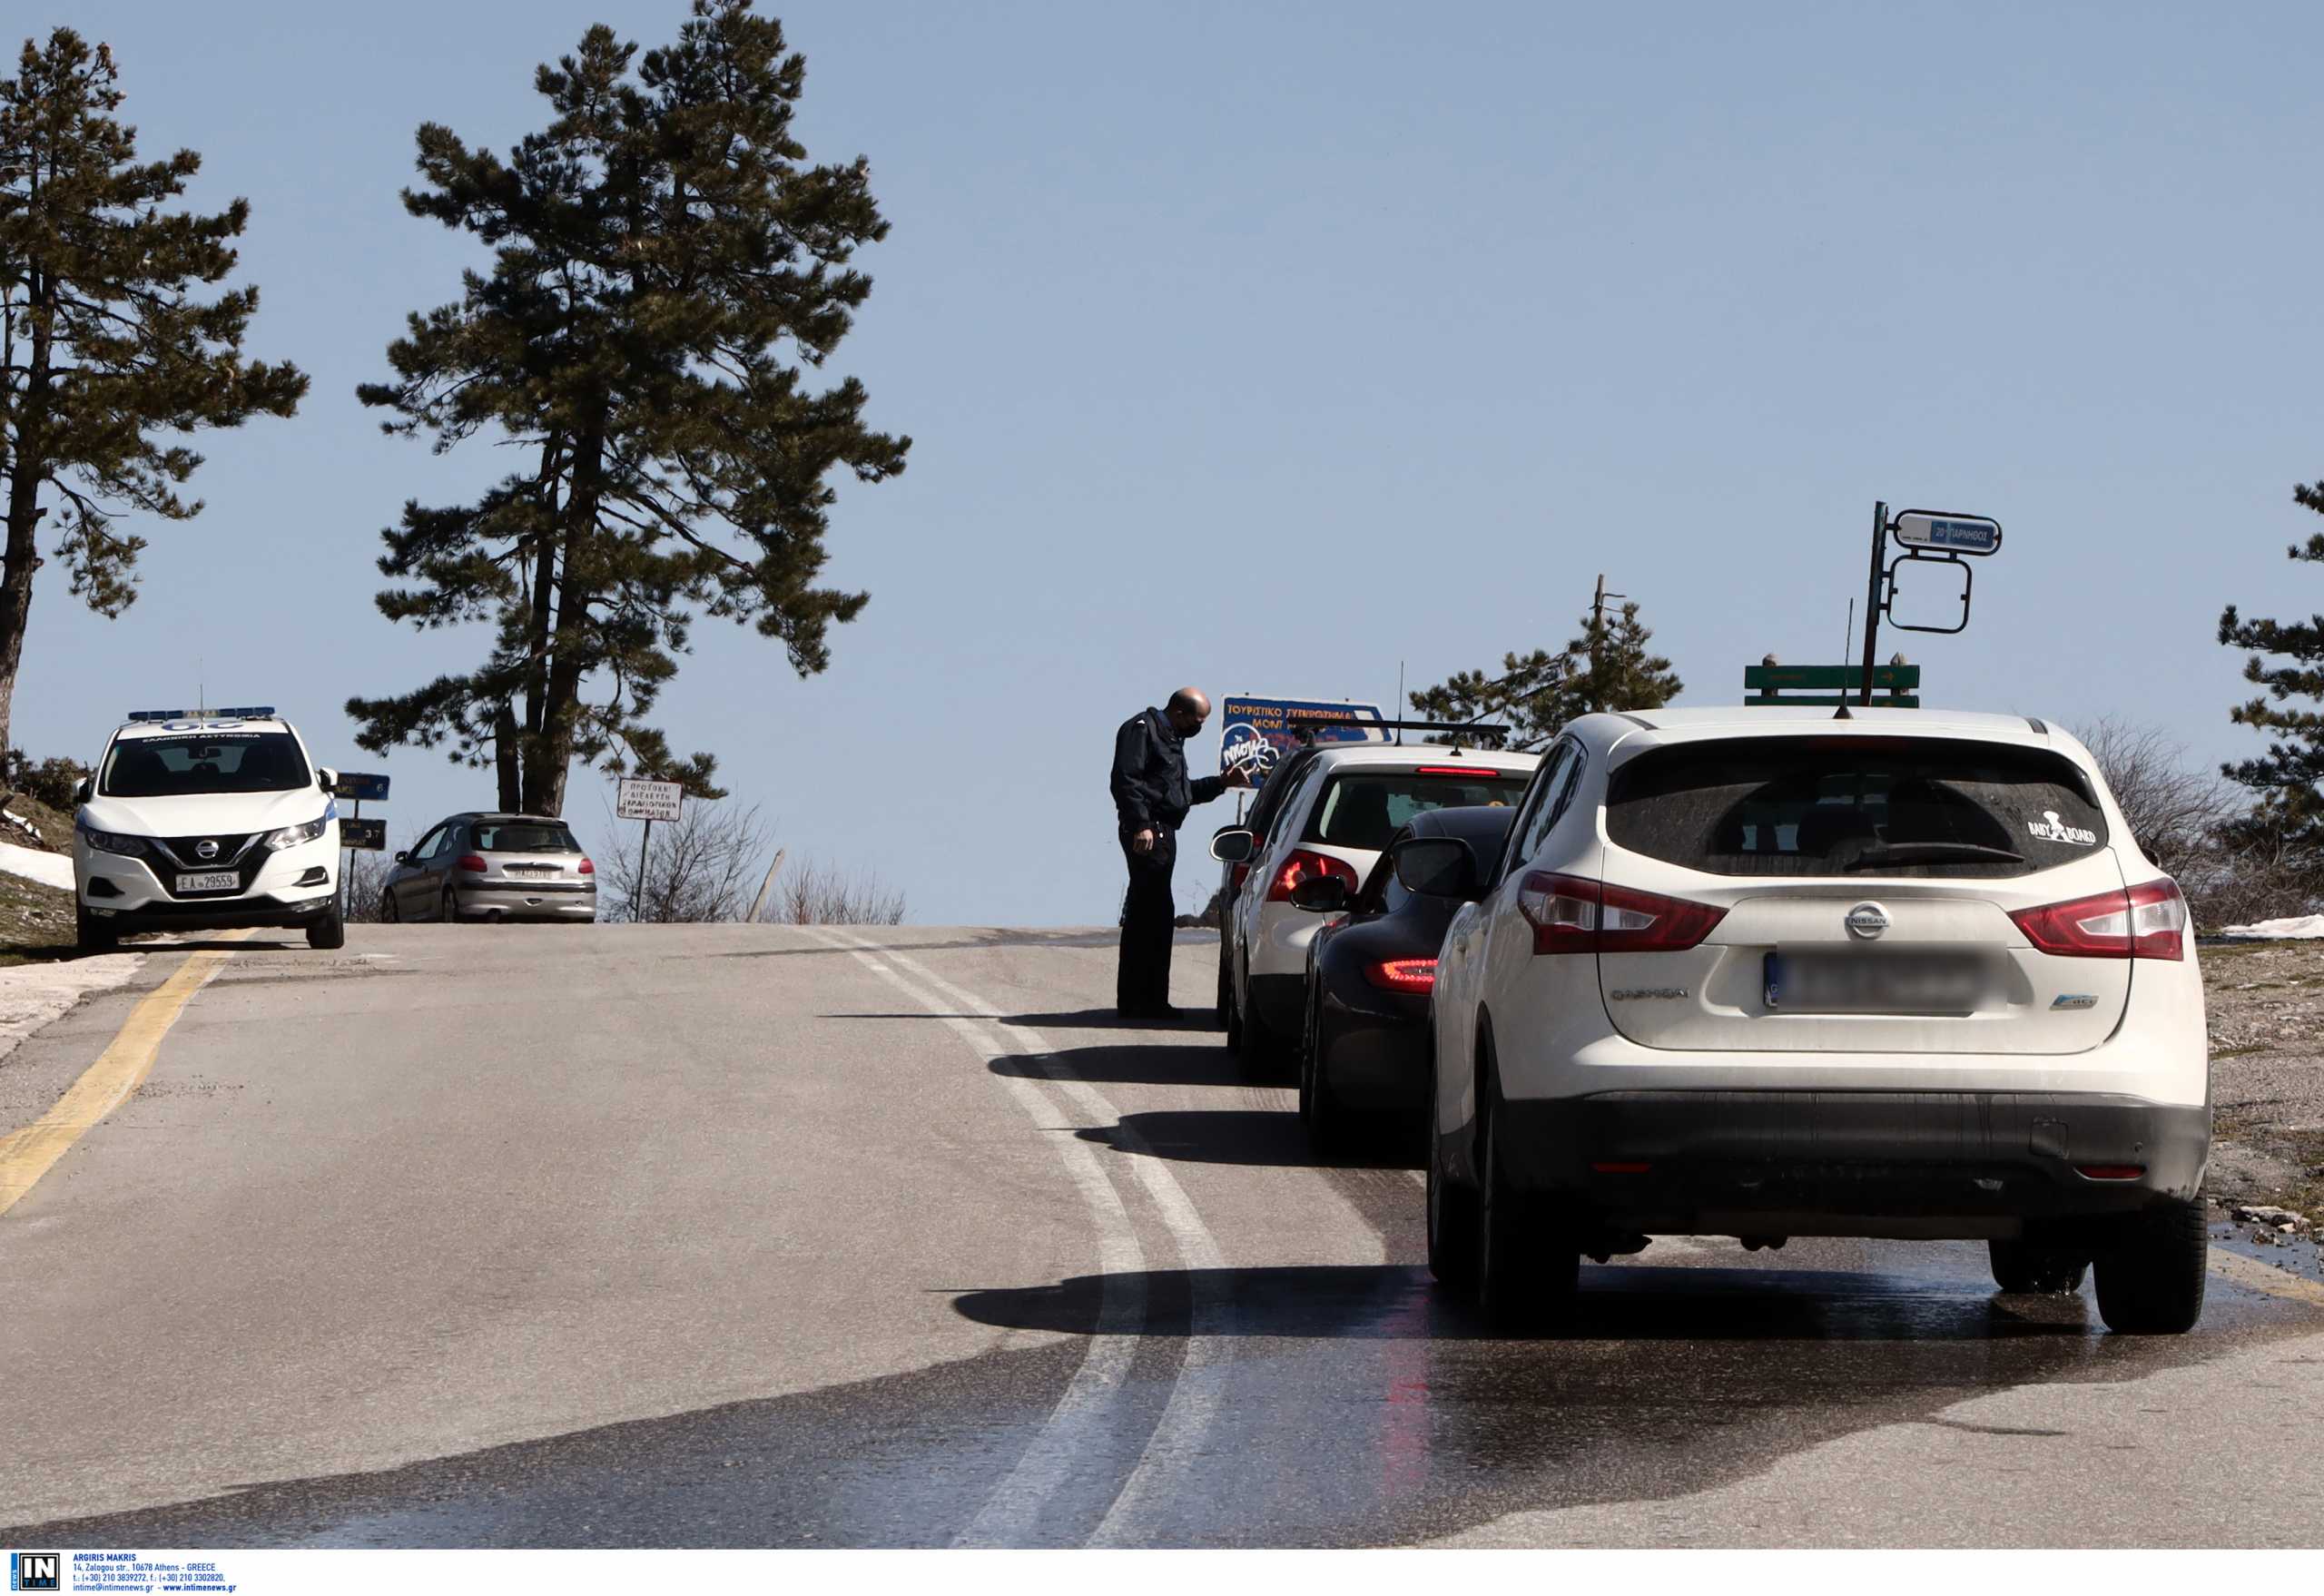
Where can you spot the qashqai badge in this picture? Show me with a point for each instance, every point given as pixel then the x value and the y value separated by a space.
pixel 1867 921
pixel 207 848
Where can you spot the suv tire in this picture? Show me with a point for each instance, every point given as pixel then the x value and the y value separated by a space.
pixel 2023 1268
pixel 2151 1273
pixel 93 935
pixel 330 931
pixel 1527 1269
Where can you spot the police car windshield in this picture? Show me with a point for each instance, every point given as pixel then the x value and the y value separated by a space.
pixel 204 762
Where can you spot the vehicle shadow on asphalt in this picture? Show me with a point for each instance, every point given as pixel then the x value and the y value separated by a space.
pixel 1623 1302
pixel 1166 1064
pixel 1197 1021
pixel 1268 1138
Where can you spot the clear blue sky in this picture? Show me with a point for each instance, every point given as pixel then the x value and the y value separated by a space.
pixel 1265 346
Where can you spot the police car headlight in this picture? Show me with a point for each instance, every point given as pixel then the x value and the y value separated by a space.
pixel 291 836
pixel 113 842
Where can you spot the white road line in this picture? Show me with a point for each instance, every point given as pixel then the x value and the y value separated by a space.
pixel 1174 1447
pixel 1078 1422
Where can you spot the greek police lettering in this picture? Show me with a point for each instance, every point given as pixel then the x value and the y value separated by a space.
pixel 2051 829
pixel 36 1570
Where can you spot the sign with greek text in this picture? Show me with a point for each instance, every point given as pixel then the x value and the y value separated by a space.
pixel 640 800
pixel 1256 732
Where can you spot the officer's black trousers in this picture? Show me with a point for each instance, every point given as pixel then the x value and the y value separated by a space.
pixel 1142 984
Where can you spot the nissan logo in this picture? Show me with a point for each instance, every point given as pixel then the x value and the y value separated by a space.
pixel 1867 921
pixel 206 849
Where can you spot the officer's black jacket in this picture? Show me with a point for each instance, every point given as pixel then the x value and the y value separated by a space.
pixel 1150 785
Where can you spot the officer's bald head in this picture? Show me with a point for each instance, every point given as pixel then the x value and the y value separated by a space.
pixel 1189 708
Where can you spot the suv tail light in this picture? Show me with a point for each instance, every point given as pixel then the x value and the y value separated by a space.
pixel 1304 865
pixel 470 862
pixel 1415 976
pixel 2148 921
pixel 1571 915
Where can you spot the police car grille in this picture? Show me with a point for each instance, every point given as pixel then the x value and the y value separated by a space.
pixel 229 848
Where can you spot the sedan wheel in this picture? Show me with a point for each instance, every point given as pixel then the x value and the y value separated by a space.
pixel 1326 1125
pixel 1452 1213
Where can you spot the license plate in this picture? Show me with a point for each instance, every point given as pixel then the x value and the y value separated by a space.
pixel 216 880
pixel 1895 983
pixel 530 872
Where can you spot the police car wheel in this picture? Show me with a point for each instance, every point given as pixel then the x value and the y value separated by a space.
pixel 330 931
pixel 91 933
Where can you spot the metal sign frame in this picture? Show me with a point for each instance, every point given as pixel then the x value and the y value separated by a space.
pixel 1968 586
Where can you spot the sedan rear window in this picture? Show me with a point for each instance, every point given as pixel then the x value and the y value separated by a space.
pixel 206 762
pixel 1802 806
pixel 525 836
pixel 1364 809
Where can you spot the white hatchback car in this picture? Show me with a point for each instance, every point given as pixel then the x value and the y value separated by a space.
pixel 1765 973
pixel 206 821
pixel 1343 805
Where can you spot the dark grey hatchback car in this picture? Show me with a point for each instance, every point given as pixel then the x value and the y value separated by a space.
pixel 492 867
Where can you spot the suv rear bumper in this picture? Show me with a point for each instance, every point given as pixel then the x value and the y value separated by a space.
pixel 1853 1163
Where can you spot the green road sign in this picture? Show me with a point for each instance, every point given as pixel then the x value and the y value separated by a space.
pixel 1893 686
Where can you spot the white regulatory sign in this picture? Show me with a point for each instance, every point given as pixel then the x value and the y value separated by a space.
pixel 637 800
pixel 1952 534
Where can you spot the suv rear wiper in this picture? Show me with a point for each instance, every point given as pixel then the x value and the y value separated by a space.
pixel 1881 853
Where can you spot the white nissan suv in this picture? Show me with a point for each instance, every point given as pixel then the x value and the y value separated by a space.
pixel 1342 807
pixel 1765 973
pixel 206 821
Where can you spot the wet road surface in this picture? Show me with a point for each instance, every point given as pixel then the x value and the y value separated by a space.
pixel 1062 1283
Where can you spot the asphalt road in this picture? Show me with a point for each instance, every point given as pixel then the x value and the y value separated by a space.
pixel 581 1237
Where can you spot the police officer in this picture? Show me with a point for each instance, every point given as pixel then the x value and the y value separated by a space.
pixel 1151 797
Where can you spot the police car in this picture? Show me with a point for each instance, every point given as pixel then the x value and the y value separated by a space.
pixel 206 821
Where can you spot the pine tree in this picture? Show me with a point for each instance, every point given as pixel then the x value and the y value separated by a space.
pixel 2289 818
pixel 660 247
pixel 104 345
pixel 1607 667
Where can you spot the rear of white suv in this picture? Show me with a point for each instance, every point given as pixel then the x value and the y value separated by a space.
pixel 207 822
pixel 1344 806
pixel 1767 974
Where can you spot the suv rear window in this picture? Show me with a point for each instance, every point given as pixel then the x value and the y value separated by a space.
pixel 1364 809
pixel 1801 806
pixel 525 836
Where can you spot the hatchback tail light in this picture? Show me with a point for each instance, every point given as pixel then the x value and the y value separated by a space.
pixel 1303 866
pixel 2148 921
pixel 1571 915
pixel 587 868
pixel 471 862
pixel 1415 976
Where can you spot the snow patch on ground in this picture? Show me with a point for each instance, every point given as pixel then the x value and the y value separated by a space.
pixel 31 995
pixel 51 869
pixel 2299 927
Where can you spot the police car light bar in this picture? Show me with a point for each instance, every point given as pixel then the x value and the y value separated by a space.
pixel 261 711
pixel 138 717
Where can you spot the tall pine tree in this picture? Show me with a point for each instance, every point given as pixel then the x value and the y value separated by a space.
pixel 2289 817
pixel 104 346
pixel 665 267
pixel 1607 667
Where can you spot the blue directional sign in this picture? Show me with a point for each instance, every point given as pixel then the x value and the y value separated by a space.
pixel 1254 733
pixel 363 789
pixel 1948 533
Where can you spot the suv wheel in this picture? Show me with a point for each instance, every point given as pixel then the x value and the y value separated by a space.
pixel 1527 1269
pixel 330 931
pixel 2038 1271
pixel 1451 1212
pixel 93 935
pixel 2151 1273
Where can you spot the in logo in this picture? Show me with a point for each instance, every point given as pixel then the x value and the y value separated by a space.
pixel 207 848
pixel 36 1570
pixel 1867 921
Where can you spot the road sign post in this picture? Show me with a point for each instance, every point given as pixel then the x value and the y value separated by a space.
pixel 356 832
pixel 635 799
pixel 1941 535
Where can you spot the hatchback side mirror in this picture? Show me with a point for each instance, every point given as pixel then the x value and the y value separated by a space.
pixel 84 789
pixel 1325 894
pixel 1440 867
pixel 402 857
pixel 1234 846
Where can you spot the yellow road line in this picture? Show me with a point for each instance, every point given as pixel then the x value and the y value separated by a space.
pixel 27 1154
pixel 2250 1272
